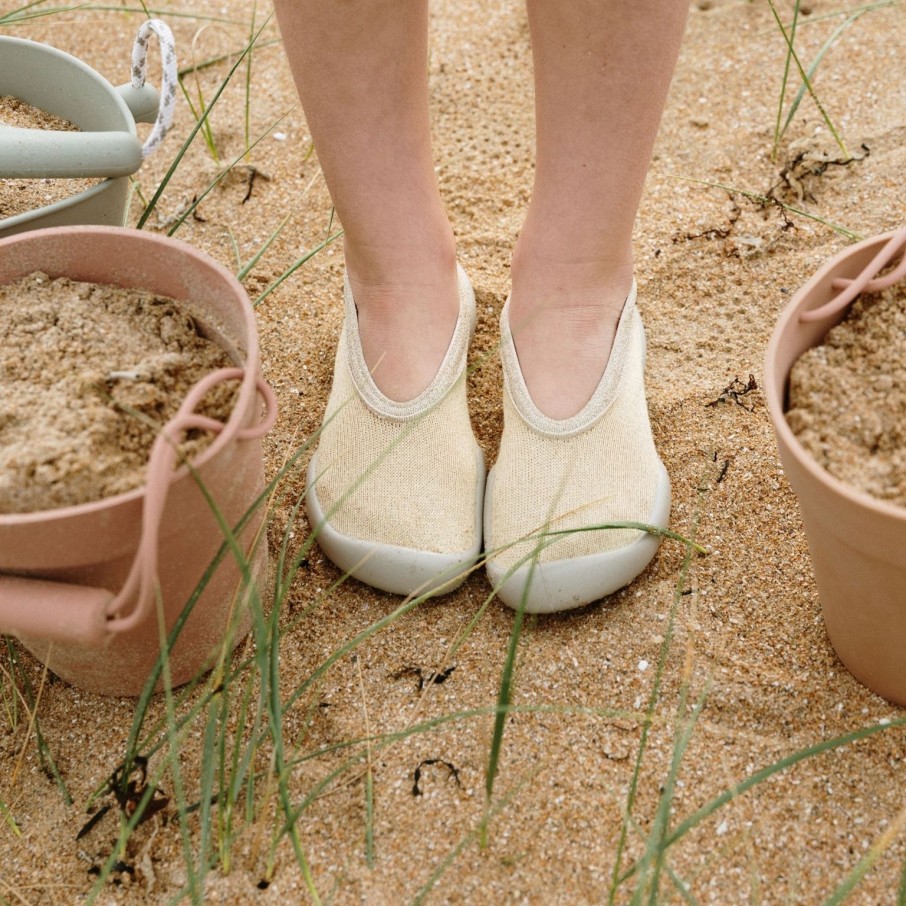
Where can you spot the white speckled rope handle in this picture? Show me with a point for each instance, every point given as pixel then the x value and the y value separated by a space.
pixel 169 79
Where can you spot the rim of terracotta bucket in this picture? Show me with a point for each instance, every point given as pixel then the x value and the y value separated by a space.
pixel 62 204
pixel 104 86
pixel 776 382
pixel 248 388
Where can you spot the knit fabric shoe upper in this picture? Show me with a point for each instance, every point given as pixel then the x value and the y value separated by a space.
pixel 567 475
pixel 398 480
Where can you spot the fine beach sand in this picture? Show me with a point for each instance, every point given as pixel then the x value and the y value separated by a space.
pixel 714 271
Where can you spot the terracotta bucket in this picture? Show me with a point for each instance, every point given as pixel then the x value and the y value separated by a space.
pixel 857 543
pixel 84 587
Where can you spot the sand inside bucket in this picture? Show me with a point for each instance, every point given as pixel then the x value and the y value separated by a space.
pixel 18 196
pixel 848 397
pixel 88 374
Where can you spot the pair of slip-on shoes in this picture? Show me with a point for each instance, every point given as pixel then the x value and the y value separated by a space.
pixel 396 491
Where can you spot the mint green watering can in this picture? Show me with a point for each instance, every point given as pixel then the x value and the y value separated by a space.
pixel 106 147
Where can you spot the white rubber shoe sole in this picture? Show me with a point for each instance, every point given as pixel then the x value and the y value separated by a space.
pixel 399 570
pixel 556 585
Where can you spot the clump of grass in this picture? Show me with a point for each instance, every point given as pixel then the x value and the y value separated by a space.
pixel 21 701
pixel 789 36
pixel 807 73
pixel 199 107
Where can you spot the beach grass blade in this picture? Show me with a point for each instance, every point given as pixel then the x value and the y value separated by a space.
pixel 778 131
pixel 879 846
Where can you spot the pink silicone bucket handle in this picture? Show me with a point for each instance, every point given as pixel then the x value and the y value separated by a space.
pixel 869 281
pixel 63 612
pixel 54 611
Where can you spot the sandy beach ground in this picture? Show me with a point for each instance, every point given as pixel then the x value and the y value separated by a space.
pixel 746 644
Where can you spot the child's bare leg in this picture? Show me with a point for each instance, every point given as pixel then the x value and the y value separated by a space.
pixel 361 73
pixel 602 70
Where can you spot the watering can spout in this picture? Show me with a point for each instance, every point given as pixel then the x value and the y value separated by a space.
pixel 142 102
pixel 38 154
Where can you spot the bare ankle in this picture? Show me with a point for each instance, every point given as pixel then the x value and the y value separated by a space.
pixel 406 318
pixel 564 318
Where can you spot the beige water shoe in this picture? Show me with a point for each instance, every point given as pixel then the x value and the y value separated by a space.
pixel 554 480
pixel 395 489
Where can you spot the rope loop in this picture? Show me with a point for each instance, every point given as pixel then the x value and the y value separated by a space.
pixel 169 79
